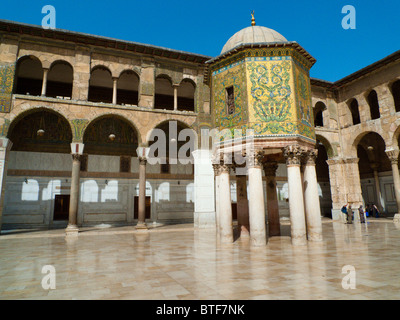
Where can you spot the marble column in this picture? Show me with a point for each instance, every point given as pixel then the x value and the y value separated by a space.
pixel 258 236
pixel 141 224
pixel 311 198
pixel 77 150
pixel 204 193
pixel 293 156
pixel 381 204
pixel 5 147
pixel 175 97
pixel 44 82
pixel 225 205
pixel 115 84
pixel 242 205
pixel 216 168
pixel 272 199
pixel 393 155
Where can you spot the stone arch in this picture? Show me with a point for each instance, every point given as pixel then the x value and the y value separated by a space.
pixel 394 87
pixel 100 84
pixel 163 92
pixel 395 139
pixel 330 150
pixel 319 108
pixel 187 95
pixel 128 87
pixel 354 109
pixel 24 129
pixel 60 79
pixel 97 135
pixel 28 75
pixel 173 137
pixel 118 115
pixel 359 137
pixel 373 102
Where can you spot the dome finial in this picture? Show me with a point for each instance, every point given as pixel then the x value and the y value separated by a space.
pixel 253 21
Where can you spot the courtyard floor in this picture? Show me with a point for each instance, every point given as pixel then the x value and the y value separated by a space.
pixel 182 262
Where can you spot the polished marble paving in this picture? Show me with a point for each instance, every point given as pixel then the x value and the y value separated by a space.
pixel 181 262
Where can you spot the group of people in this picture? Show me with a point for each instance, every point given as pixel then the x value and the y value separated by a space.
pixel 370 210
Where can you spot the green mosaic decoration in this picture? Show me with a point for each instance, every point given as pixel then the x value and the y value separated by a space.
pixel 271 93
pixel 78 126
pixel 4 128
pixel 236 77
pixel 7 72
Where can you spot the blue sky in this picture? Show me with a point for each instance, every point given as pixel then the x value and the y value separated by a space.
pixel 204 26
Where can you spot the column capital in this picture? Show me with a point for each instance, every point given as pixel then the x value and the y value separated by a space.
pixel 393 155
pixel 216 168
pixel 255 158
pixel 142 160
pixel 224 168
pixel 293 155
pixel 310 156
pixel 270 168
pixel 76 157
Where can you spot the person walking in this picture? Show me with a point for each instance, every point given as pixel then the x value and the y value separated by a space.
pixel 349 215
pixel 344 211
pixel 361 212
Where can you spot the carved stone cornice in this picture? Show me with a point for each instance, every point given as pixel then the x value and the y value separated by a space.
pixel 293 155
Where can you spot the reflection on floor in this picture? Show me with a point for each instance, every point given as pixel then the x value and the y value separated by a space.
pixel 180 262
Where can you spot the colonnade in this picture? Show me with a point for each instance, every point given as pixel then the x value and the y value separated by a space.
pixel 305 214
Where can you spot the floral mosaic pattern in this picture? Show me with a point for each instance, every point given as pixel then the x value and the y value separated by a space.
pixel 7 72
pixel 271 96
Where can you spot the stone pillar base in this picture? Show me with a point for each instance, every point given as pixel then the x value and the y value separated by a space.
pixel 141 226
pixel 72 229
pixel 396 218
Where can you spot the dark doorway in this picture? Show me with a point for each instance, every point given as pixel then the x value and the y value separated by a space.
pixel 61 207
pixel 136 208
pixel 234 211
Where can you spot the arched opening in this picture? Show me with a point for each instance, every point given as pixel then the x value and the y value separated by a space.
pixel 40 156
pixel 396 94
pixel 100 85
pixel 186 92
pixel 127 88
pixel 175 147
pixel 59 80
pixel 41 130
pixel 28 76
pixel 164 93
pixel 110 135
pixel 374 166
pixel 322 171
pixel 373 105
pixel 354 110
pixel 319 108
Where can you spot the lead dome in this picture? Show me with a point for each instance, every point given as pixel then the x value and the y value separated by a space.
pixel 253 34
